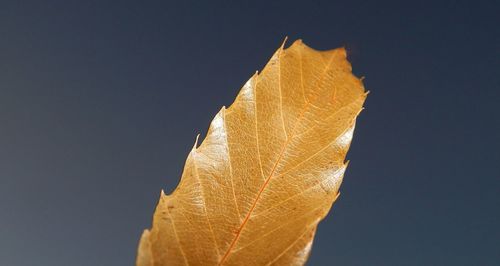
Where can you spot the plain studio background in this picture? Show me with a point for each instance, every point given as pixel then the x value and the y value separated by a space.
pixel 100 103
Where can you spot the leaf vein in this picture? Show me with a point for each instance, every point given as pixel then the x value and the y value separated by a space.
pixel 235 239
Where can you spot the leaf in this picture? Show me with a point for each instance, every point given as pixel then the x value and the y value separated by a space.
pixel 268 170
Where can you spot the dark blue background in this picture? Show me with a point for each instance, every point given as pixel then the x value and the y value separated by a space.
pixel 101 101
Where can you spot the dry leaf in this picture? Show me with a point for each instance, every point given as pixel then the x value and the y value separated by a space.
pixel 268 171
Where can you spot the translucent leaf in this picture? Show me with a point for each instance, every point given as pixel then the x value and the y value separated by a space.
pixel 268 171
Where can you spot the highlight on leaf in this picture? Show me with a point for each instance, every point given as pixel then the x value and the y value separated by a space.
pixel 268 171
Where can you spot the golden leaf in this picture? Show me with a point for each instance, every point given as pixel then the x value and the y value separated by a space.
pixel 268 170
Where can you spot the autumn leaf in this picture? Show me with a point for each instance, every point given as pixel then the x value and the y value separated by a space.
pixel 268 170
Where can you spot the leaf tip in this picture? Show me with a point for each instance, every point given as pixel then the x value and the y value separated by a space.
pixel 283 43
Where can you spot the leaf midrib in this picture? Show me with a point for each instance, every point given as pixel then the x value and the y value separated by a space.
pixel 304 109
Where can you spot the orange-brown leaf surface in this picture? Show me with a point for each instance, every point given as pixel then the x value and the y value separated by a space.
pixel 268 170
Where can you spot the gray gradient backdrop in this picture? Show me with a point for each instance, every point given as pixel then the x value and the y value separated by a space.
pixel 100 103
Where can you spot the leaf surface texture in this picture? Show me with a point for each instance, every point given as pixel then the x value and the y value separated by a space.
pixel 268 171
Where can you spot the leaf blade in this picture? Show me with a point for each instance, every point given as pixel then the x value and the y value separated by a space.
pixel 276 154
